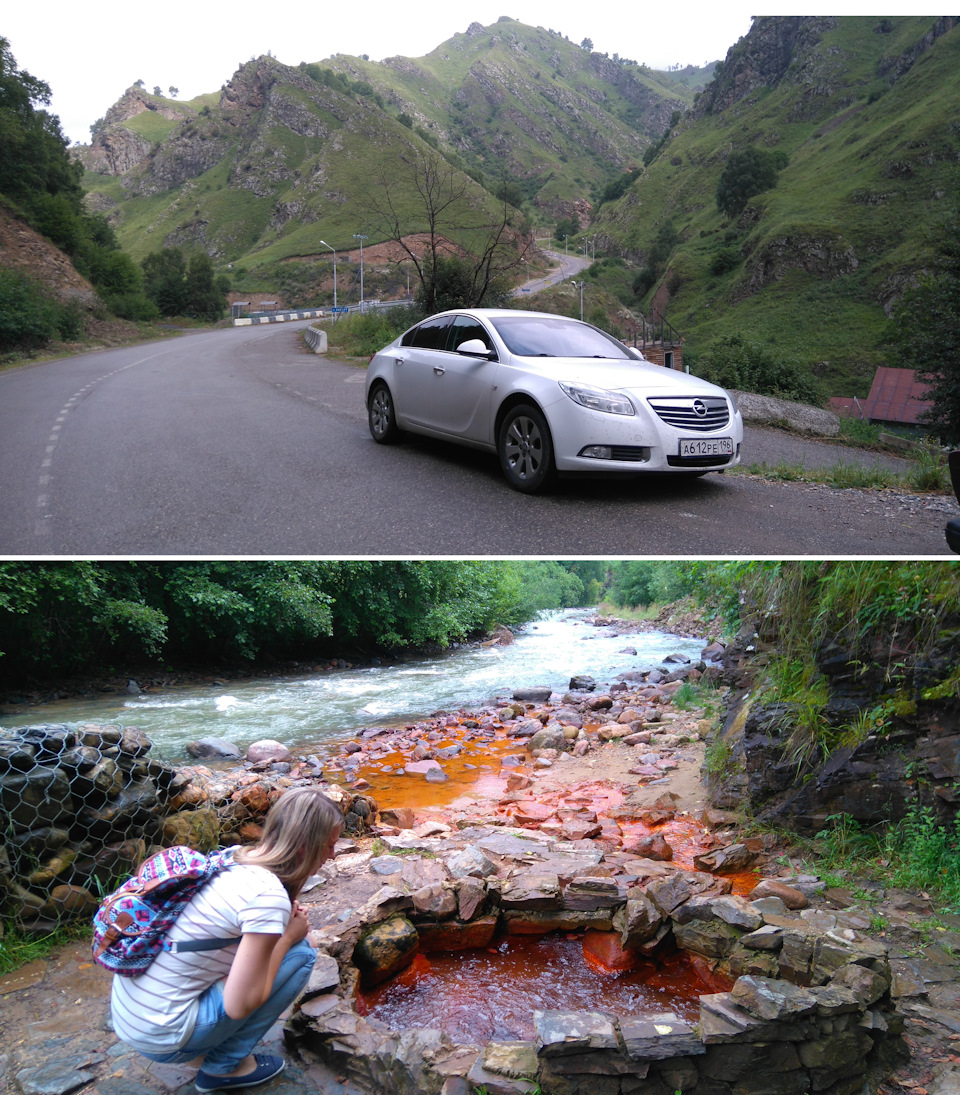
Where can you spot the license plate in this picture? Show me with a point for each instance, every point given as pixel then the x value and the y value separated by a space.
pixel 706 446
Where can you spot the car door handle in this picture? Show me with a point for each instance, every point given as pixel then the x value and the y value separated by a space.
pixel 439 370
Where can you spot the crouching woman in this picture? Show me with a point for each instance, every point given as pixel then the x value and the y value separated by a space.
pixel 220 1003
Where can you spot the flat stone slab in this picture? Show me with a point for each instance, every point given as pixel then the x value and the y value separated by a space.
pixel 564 1032
pixel 660 1037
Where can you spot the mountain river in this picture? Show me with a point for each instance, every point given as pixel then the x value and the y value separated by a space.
pixel 312 712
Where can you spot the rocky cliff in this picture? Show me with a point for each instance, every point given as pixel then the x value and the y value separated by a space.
pixel 887 738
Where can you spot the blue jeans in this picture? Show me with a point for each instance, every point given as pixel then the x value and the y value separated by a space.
pixel 225 1042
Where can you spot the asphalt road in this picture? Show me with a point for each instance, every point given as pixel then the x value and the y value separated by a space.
pixel 241 442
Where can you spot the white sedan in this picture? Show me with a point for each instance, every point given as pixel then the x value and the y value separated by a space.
pixel 548 394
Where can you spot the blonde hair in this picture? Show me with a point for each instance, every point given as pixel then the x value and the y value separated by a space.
pixel 297 830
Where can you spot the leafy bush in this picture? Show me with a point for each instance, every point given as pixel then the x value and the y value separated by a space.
pixel 733 362
pixel 726 260
pixel 30 317
pixel 363 335
pixel 747 174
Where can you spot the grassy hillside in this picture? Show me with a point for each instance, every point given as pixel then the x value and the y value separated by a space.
pixel 559 119
pixel 284 158
pixel 865 111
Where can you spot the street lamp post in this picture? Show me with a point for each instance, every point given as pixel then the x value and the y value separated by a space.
pixel 361 239
pixel 579 285
pixel 327 245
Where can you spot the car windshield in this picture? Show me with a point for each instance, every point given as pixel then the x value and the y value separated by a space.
pixel 554 336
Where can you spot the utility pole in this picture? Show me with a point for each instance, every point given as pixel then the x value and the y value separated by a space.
pixel 361 239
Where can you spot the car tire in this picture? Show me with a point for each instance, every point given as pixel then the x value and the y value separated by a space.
pixel 381 417
pixel 525 449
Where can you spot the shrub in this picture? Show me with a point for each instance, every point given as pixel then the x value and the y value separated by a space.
pixel 726 260
pixel 733 362
pixel 747 174
pixel 30 317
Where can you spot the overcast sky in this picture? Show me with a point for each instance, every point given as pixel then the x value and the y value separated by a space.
pixel 90 53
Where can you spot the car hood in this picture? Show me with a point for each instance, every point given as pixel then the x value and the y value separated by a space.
pixel 638 377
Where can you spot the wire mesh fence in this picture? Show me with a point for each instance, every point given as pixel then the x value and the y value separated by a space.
pixel 80 808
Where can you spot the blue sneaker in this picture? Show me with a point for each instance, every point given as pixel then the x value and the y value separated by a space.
pixel 267 1068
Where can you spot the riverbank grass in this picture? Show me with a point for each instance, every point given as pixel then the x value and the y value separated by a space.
pixel 919 853
pixel 18 947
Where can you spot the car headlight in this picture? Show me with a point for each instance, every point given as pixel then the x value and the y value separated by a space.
pixel 597 399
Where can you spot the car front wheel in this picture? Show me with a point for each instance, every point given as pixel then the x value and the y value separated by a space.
pixel 525 449
pixel 381 417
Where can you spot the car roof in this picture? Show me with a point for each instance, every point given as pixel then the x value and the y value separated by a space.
pixel 497 313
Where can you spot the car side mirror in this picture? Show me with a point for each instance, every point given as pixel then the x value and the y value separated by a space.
pixel 636 354
pixel 476 347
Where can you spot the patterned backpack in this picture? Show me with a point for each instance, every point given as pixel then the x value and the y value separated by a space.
pixel 130 927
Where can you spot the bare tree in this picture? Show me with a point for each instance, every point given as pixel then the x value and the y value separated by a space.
pixel 422 194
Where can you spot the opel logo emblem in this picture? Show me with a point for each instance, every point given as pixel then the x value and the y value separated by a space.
pixel 699 408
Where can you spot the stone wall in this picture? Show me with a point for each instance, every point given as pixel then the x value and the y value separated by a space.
pixel 81 808
pixel 809 1010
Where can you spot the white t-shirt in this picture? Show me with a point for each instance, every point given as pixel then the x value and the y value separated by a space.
pixel 156 1011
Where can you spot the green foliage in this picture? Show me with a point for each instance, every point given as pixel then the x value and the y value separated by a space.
pixel 362 335
pixel 30 317
pixel 658 255
pixel 747 174
pixel 181 288
pixel 645 582
pixel 566 229
pixel 62 618
pixel 734 362
pixel 457 282
pixel 725 260
pixel 718 760
pixel 35 164
pixel 925 330
pixel 38 174
pixel 920 853
pixel 618 187
pixel 925 854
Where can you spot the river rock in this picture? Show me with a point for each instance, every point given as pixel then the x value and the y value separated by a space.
pixel 385 949
pixel 772 887
pixel 199 829
pixel 582 683
pixel 324 977
pixel 548 737
pixel 525 729
pixel 734 857
pixel 470 862
pixel 214 749
pixel 266 751
pixel 653 846
pixel 637 921
pixel 767 998
pixel 539 694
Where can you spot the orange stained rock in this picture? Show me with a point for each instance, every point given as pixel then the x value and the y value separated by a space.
pixel 604 951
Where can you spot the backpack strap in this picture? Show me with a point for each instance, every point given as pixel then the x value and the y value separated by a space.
pixel 180 945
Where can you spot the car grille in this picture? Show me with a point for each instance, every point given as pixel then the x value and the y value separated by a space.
pixel 701 413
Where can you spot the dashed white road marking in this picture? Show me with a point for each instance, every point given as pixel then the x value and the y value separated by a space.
pixel 43 525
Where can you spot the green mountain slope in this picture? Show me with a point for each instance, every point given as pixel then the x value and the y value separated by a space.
pixel 282 158
pixel 865 110
pixel 556 118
